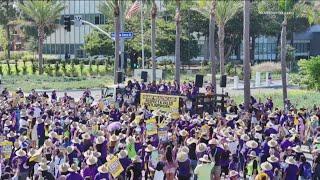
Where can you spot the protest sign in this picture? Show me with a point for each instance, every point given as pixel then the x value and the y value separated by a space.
pixel 6 148
pixel 151 126
pixel 155 158
pixel 114 167
pixel 160 101
pixel 163 134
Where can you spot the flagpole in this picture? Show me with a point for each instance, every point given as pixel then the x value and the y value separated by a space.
pixel 142 37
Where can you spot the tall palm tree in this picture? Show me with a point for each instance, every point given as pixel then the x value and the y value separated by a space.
pixel 42 14
pixel 116 12
pixel 246 50
pixel 225 10
pixel 177 44
pixel 153 38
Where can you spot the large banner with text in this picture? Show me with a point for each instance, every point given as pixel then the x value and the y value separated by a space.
pixel 160 101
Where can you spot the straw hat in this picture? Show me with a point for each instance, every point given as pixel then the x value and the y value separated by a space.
pixel 317 140
pixel 184 149
pixel 252 144
pixel 43 167
pixel 258 128
pixel 191 140
pixel 174 115
pixel 7 123
pixel 314 118
pixel 293 131
pixel 86 136
pixel 39 121
pixel 100 139
pixel 21 153
pixel 183 133
pixel 291 160
pixel 229 117
pixel 272 143
pixel 73 168
pixel 182 156
pixel 114 138
pixel 136 159
pixel 213 141
pixel 233 173
pixel 53 134
pixel 70 149
pixel 231 139
pixel 76 140
pixel 266 166
pixel 96 154
pixel 297 149
pixel 48 143
pixel 64 167
pixel 103 168
pixel 31 152
pixel 201 147
pixel 123 154
pixel 157 112
pixel 245 137
pixel 274 136
pixel 205 158
pixel 11 134
pixel 211 122
pixel 125 117
pixel 91 160
pixel 252 154
pixel 149 148
pixel 273 159
pixel 130 140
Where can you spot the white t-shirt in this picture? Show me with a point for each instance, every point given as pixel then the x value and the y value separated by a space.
pixel 37 112
pixel 158 175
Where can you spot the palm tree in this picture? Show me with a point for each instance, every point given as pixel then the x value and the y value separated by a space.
pixel 116 12
pixel 177 44
pixel 42 14
pixel 225 10
pixel 246 50
pixel 153 38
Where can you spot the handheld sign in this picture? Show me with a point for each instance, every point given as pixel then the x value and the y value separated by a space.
pixel 151 126
pixel 114 167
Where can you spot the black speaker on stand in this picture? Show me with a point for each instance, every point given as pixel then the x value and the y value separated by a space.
pixel 199 80
pixel 144 76
pixel 119 77
pixel 223 81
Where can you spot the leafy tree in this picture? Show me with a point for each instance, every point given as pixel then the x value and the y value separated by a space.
pixel 41 14
pixel 309 70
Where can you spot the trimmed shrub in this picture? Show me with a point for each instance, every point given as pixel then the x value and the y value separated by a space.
pixel 73 70
pixel 34 67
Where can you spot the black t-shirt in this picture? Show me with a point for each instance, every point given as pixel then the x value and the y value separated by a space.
pixel 136 168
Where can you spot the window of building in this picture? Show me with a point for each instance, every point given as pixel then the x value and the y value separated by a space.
pixel 97 19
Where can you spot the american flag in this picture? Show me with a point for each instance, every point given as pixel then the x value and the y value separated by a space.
pixel 133 9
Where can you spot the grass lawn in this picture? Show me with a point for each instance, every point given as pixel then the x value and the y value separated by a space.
pixel 300 98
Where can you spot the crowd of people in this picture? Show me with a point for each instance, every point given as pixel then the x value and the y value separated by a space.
pixel 43 136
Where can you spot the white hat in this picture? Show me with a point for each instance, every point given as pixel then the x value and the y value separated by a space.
pixel 91 160
pixel 136 159
pixel 297 149
pixel 149 148
pixel 291 160
pixel 258 128
pixel 252 154
pixel 86 136
pixel 191 140
pixel 73 168
pixel 201 147
pixel 64 167
pixel 266 166
pixel 272 143
pixel 39 121
pixel 245 137
pixel 233 173
pixel 76 140
pixel 252 144
pixel 21 153
pixel 70 149
pixel 103 168
pixel 123 154
pixel 213 141
pixel 182 156
pixel 100 139
pixel 114 138
pixel 205 158
pixel 43 167
pixel 184 149
pixel 273 159
pixel 130 140
pixel 183 133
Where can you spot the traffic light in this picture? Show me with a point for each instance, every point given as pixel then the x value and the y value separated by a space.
pixel 67 23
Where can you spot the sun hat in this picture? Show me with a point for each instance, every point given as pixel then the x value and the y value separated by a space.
pixel 21 153
pixel 39 121
pixel 191 140
pixel 157 112
pixel 114 138
pixel 86 136
pixel 272 143
pixel 100 139
pixel 291 160
pixel 205 158
pixel 43 167
pixel 293 131
pixel 266 166
pixel 233 173
pixel 64 167
pixel 103 168
pixel 273 159
pixel 182 156
pixel 231 139
pixel 252 154
pixel 74 168
pixel 91 160
pixel 11 134
pixel 252 144
pixel 130 140
pixel 258 128
pixel 7 123
pixel 123 153
pixel 229 117
pixel 317 140
pixel 274 136
pixel 297 149
pixel 244 137
pixel 184 149
pixel 201 147
pixel 211 122
pixel 70 149
pixel 183 133
pixel 48 143
pixel 149 148
pixel 314 118
pixel 136 159
pixel 76 140
pixel 31 152
pixel 213 141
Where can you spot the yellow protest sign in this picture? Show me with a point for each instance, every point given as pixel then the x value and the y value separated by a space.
pixel 114 167
pixel 6 148
pixel 160 101
pixel 151 126
pixel 296 121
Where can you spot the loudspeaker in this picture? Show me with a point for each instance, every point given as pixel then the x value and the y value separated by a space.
pixel 144 76
pixel 199 80
pixel 223 81
pixel 120 77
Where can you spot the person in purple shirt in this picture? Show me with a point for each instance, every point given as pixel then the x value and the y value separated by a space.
pixel 124 160
pixel 74 173
pixel 292 171
pixel 91 169
pixel 18 163
pixel 103 173
pixel 183 166
pixel 101 146
pixel 40 132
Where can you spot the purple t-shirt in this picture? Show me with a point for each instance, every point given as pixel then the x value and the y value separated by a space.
pixel 184 167
pixel 291 172
pixel 73 176
pixel 90 171
pixel 100 176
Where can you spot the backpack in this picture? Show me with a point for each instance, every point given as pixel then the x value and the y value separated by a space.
pixel 307 171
